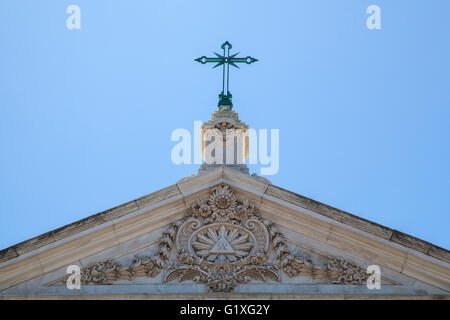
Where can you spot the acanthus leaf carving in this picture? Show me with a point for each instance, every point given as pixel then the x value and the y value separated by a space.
pixel 104 272
pixel 347 273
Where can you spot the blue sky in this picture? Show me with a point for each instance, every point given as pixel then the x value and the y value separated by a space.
pixel 86 115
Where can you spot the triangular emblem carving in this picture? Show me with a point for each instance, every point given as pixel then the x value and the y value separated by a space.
pixel 222 246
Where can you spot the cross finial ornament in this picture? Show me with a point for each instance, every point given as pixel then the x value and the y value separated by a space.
pixel 225 61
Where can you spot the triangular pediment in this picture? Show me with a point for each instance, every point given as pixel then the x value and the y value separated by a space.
pixel 227 233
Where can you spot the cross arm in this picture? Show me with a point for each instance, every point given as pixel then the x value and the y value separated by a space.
pixel 204 60
pixel 247 60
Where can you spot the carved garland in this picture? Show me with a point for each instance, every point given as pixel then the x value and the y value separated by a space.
pixel 222 242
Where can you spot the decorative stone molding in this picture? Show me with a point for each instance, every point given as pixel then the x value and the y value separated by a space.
pixel 347 273
pixel 223 126
pixel 222 242
pixel 104 272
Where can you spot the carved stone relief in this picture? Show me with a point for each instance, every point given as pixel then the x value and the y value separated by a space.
pixel 222 242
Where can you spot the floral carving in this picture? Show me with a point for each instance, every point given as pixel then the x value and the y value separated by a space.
pixel 201 208
pixel 101 272
pixel 347 273
pixel 245 209
pixel 145 266
pixel 223 203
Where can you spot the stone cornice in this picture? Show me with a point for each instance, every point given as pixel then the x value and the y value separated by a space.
pixel 86 223
pixel 361 223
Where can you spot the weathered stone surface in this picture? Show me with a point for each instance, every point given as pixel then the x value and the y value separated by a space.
pixel 158 196
pixel 77 227
pixel 14 273
pixel 8 253
pixel 425 270
pixel 439 253
pixel 119 211
pixel 35 243
pixel 410 241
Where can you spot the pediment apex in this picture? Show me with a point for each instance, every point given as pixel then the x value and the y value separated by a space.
pixel 222 174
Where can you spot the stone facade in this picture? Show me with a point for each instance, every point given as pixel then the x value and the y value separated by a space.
pixel 224 234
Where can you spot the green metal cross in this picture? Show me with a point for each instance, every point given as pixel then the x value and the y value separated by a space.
pixel 226 60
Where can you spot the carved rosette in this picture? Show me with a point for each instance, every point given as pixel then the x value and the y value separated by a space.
pixel 222 242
